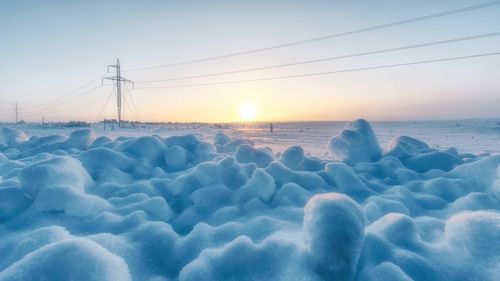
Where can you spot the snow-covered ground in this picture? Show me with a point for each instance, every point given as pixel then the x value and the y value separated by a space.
pixel 330 201
pixel 474 136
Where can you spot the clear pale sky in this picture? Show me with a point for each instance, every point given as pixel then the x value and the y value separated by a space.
pixel 49 48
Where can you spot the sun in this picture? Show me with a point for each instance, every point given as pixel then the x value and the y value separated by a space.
pixel 248 111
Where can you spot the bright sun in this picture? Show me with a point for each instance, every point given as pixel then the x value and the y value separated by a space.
pixel 248 111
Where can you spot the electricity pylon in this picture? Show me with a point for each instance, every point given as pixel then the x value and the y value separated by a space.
pixel 118 80
pixel 16 109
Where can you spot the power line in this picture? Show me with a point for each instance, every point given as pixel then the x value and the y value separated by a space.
pixel 105 104
pixel 75 107
pixel 129 108
pixel 70 92
pixel 65 101
pixel 324 73
pixel 132 101
pixel 306 41
pixel 454 40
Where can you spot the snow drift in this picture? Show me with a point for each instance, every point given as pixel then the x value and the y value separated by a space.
pixel 181 208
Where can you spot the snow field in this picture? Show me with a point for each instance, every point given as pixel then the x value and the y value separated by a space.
pixel 82 207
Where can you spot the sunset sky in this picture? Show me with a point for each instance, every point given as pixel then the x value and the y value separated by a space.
pixel 49 48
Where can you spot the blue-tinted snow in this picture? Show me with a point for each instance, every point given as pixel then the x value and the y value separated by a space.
pixel 224 206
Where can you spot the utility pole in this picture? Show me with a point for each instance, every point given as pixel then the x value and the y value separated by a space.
pixel 118 79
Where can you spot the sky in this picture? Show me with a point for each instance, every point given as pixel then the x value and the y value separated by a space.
pixel 50 48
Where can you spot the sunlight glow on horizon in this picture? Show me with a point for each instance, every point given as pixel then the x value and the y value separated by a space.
pixel 248 111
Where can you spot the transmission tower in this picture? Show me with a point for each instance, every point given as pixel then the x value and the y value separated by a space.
pixel 16 109
pixel 118 80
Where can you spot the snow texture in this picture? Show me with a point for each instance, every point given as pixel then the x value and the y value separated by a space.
pixel 82 207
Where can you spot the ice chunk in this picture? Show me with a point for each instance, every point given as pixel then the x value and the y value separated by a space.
pixel 188 142
pixel 175 158
pixel 221 138
pixel 334 224
pixel 356 143
pixel 433 160
pixel 101 141
pixel 405 147
pixel 204 152
pixel 280 173
pixel 146 147
pixel 12 137
pixel 293 157
pixel 80 139
pixel 248 154
pixel 205 173
pixel 347 181
pixel 231 146
pixel 260 185
pixel 231 173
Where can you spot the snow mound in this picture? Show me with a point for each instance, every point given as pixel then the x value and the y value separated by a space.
pixel 12 137
pixel 221 139
pixel 80 139
pixel 248 154
pixel 241 259
pixel 12 201
pixel 293 157
pixel 335 227
pixel 356 143
pixel 175 158
pixel 58 171
pixel 69 200
pixel 260 185
pixel 68 260
pixel 476 232
pixel 404 147
pixel 148 207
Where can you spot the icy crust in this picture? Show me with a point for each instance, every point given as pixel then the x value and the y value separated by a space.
pixel 150 208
